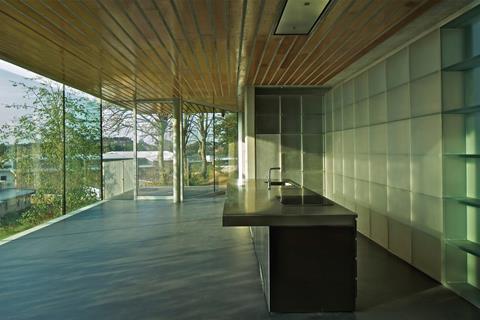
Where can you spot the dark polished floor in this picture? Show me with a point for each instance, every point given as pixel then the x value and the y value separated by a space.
pixel 167 191
pixel 157 260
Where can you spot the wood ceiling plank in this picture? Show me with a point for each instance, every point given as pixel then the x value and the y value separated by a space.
pixel 381 36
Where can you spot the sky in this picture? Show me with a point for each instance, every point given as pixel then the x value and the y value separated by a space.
pixel 10 94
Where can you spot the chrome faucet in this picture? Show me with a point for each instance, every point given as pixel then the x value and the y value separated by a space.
pixel 270 176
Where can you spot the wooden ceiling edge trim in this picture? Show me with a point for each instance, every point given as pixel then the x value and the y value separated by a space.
pixel 287 71
pixel 215 46
pixel 202 45
pixel 250 56
pixel 187 38
pixel 241 42
pixel 387 34
pixel 126 59
pixel 280 43
pixel 270 35
pixel 117 22
pixel 326 55
pixel 149 22
pixel 226 18
pixel 292 45
pixel 328 33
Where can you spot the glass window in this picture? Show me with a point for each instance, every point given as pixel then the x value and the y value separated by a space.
pixel 118 157
pixel 31 149
pixel 82 149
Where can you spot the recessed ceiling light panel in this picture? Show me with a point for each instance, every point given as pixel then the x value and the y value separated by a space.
pixel 299 16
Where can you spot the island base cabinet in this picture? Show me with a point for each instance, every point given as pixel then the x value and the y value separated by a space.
pixel 312 269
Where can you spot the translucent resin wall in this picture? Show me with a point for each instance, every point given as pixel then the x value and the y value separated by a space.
pixel 383 152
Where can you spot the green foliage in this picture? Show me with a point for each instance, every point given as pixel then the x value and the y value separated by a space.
pixel 38 154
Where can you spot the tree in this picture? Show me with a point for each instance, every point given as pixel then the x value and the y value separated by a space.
pixel 202 123
pixel 151 125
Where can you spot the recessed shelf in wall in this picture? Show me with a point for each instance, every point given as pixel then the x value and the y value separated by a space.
pixel 474 202
pixel 466 245
pixel 467 64
pixel 467 291
pixel 466 110
pixel 462 155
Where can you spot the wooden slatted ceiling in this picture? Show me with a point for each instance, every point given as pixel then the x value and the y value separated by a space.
pixel 200 50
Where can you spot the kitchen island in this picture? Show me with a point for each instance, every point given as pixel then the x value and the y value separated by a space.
pixel 305 244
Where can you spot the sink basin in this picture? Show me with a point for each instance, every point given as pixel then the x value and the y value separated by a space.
pixel 281 183
pixel 305 199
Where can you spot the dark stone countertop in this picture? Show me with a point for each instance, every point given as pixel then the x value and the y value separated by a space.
pixel 250 203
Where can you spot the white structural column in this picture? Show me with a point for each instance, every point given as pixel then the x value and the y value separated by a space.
pixel 249 133
pixel 177 151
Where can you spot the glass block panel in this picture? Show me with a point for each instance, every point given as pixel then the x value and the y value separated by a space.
pixel 425 55
pixel 378 108
pixel 361 140
pixel 427 253
pixel 378 139
pixel 454 134
pixel 337 142
pixel 379 228
pixel 295 175
pixel 312 123
pixel 453 90
pixel 267 153
pixel 291 143
pixel 267 105
pixel 361 87
pixel 312 161
pixel 472 82
pixel 399 205
pixel 348 90
pixel 427 135
pixel 363 220
pixel 455 219
pixel 291 112
pixel 313 180
pixel 425 95
pixel 456 264
pixel 398 69
pixel 400 239
pixel 472 132
pixel 377 79
pixel 426 174
pixel 348 117
pixel 349 165
pixel 378 168
pixel 453 46
pixel 362 167
pixel 454 169
pixel 362 193
pixel 338 164
pixel 473 177
pixel 291 162
pixel 362 117
pixel 399 137
pixel 398 103
pixel 329 119
pixel 349 141
pixel 337 119
pixel 349 189
pixel 329 185
pixel 337 97
pixel 378 198
pixel 312 143
pixel 312 104
pixel 473 224
pixel 338 187
pixel 427 214
pixel 398 175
